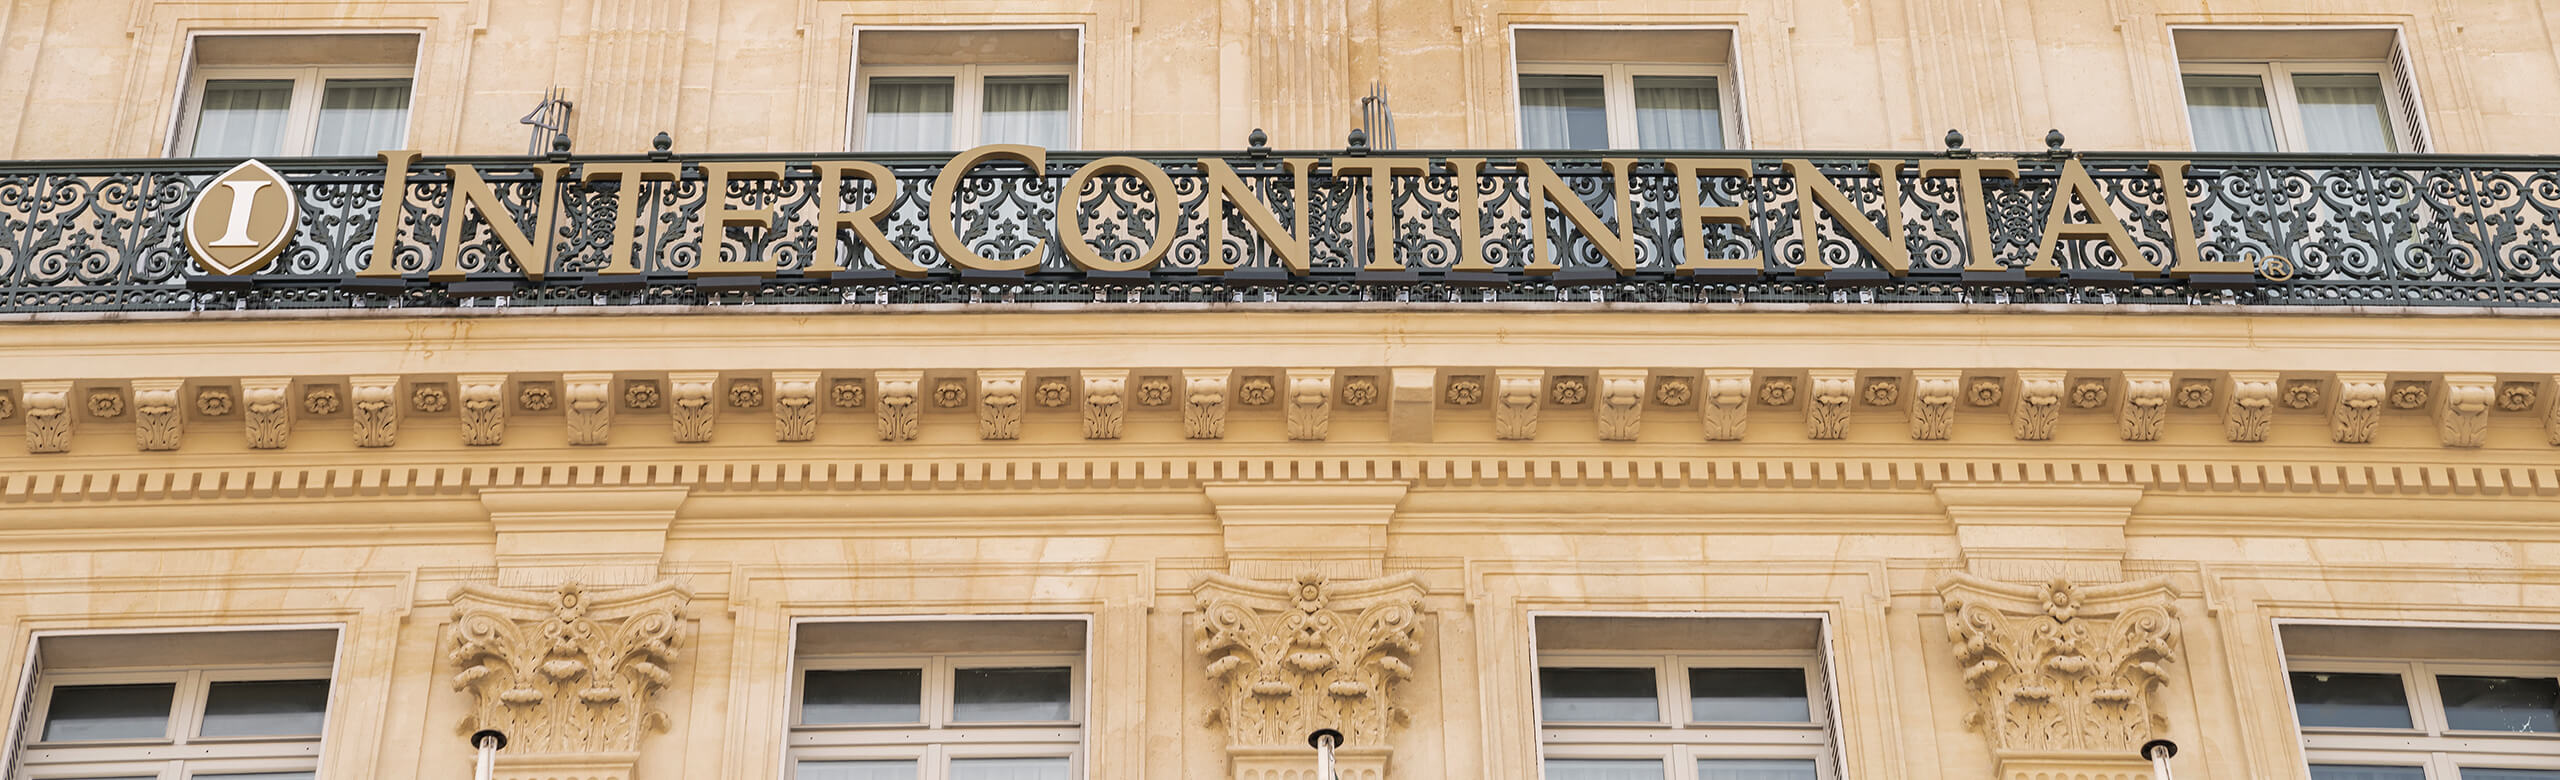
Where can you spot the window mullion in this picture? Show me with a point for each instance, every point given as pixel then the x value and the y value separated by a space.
pixel 302 113
pixel 1619 93
pixel 966 105
pixel 2288 109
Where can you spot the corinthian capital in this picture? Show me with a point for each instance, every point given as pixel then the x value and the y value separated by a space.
pixel 570 677
pixel 2062 675
pixel 1289 658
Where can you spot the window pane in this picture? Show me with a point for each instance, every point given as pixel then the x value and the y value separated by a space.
pixel 2478 773
pixel 1603 769
pixel 1756 769
pixel 1563 112
pixel 833 696
pixel 109 712
pixel 1011 695
pixel 259 776
pixel 243 117
pixel 908 114
pixel 1009 769
pixel 2229 114
pixel 2340 700
pixel 2354 772
pixel 2344 113
pixel 1598 695
pixel 1748 696
pixel 1678 112
pixel 265 708
pixel 854 770
pixel 2518 704
pixel 362 116
pixel 1025 110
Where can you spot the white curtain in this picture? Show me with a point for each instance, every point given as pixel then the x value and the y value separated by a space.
pixel 1025 110
pixel 243 117
pixel 1009 769
pixel 1678 112
pixel 854 770
pixel 2344 113
pixel 908 114
pixel 2345 772
pixel 1563 112
pixel 1756 769
pixel 361 117
pixel 2229 114
pixel 1603 769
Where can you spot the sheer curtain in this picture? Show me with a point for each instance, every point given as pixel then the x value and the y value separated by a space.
pixel 2344 112
pixel 908 114
pixel 1025 110
pixel 1603 769
pixel 1755 769
pixel 1678 112
pixel 2229 114
pixel 1009 769
pixel 361 116
pixel 243 117
pixel 854 770
pixel 1563 112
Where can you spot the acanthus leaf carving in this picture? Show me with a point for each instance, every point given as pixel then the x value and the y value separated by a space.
pixel 1515 403
pixel 1204 404
pixel 1310 404
pixel 2144 412
pixel 266 412
pixel 1933 404
pixel 1106 403
pixel 899 404
pixel 2551 413
pixel 1725 408
pixel 795 405
pixel 156 416
pixel 48 410
pixel 999 405
pixel 375 411
pixel 1826 413
pixel 2464 411
pixel 1619 406
pixel 691 407
pixel 566 673
pixel 2252 410
pixel 589 408
pixel 1291 657
pixel 2039 406
pixel 2059 670
pixel 484 408
pixel 2355 412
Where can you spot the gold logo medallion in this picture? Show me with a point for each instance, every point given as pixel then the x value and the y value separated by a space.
pixel 242 220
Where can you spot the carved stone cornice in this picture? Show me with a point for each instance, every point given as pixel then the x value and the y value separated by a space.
pixel 484 408
pixel 2062 675
pixel 795 405
pixel 569 677
pixel 1619 404
pixel 590 407
pixel 2357 410
pixel 1933 403
pixel 2144 412
pixel 1106 403
pixel 1310 403
pixel 374 417
pixel 900 404
pixel 691 408
pixel 2039 406
pixel 2463 415
pixel 266 412
pixel 1516 394
pixel 156 414
pixel 2252 408
pixel 1826 409
pixel 1288 658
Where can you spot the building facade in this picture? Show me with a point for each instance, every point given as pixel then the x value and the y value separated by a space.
pixel 968 390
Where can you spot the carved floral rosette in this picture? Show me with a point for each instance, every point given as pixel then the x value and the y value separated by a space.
pixel 1290 658
pixel 2059 672
pixel 564 673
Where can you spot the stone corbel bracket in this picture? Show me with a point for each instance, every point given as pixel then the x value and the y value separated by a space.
pixel 1106 403
pixel 374 415
pixel 2144 411
pixel 1516 392
pixel 1204 403
pixel 900 412
pixel 1310 403
pixel 2038 409
pixel 484 408
pixel 2253 406
pixel 570 677
pixel 266 411
pixel 2463 415
pixel 1288 658
pixel 1619 404
pixel 795 405
pixel 590 407
pixel 1826 410
pixel 157 414
pixel 1933 403
pixel 2061 675
pixel 691 407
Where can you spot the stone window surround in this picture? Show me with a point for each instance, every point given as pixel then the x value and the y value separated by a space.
pixel 1729 88
pixel 2276 60
pixel 308 77
pixel 966 76
pixel 22 755
pixel 941 741
pixel 1817 741
pixel 2427 745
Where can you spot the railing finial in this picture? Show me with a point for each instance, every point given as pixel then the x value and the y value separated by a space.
pixel 1955 145
pixel 1257 143
pixel 662 147
pixel 1359 143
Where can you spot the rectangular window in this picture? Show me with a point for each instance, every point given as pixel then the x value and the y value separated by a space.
pixel 946 90
pixel 2334 91
pixel 2431 714
pixel 177 706
pixel 1664 89
pixel 296 95
pixel 970 700
pixel 1682 699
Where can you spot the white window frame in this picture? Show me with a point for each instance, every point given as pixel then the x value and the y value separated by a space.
pixel 179 753
pixel 968 96
pixel 1618 95
pixel 2430 745
pixel 302 113
pixel 935 741
pixel 2284 104
pixel 1675 739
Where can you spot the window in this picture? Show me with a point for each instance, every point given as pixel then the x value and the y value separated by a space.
pixel 97 713
pixel 945 90
pixel 258 96
pixel 2324 91
pixel 1714 710
pixel 1662 89
pixel 1003 714
pixel 2429 718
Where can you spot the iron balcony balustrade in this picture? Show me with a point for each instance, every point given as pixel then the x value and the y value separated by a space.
pixel 2434 230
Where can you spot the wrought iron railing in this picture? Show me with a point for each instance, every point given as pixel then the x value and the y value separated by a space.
pixel 2326 230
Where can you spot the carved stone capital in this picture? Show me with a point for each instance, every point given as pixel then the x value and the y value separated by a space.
pixel 1826 409
pixel 692 404
pixel 2039 406
pixel 1516 393
pixel 2062 675
pixel 2252 410
pixel 568 676
pixel 1204 403
pixel 1619 404
pixel 1933 403
pixel 484 408
pixel 1106 403
pixel 2356 412
pixel 2144 412
pixel 1309 403
pixel 266 410
pixel 156 414
pixel 589 407
pixel 2463 415
pixel 795 405
pixel 1288 658
pixel 900 407
pixel 374 414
